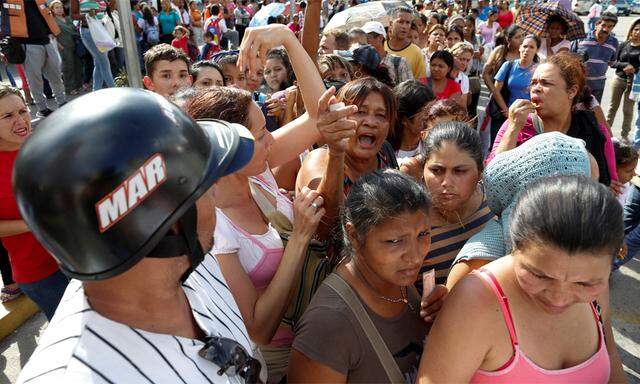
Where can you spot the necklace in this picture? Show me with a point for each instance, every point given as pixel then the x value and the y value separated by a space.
pixel 444 216
pixel 403 291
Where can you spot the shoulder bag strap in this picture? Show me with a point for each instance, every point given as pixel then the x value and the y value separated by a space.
pixel 335 282
pixel 506 79
pixel 538 125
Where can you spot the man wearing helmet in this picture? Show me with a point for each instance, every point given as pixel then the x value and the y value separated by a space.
pixel 126 209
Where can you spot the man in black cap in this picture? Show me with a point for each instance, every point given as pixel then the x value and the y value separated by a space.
pixel 126 209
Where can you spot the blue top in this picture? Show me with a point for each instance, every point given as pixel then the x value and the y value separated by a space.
pixel 168 21
pixel 519 80
pixel 599 56
pixel 484 13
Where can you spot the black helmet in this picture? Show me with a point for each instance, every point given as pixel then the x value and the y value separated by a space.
pixel 103 179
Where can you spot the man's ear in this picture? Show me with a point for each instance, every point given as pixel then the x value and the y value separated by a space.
pixel 148 83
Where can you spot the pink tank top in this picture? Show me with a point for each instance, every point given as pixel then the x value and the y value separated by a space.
pixel 262 274
pixel 520 369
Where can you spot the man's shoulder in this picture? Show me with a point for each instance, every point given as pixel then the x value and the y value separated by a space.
pixel 612 40
pixel 53 360
pixel 410 52
pixel 414 49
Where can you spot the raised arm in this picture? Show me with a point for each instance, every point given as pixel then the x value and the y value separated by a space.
pixel 323 170
pixel 311 29
pixel 13 227
pixel 300 134
pixel 518 113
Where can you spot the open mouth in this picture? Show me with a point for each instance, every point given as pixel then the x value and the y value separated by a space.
pixel 366 141
pixel 22 132
pixel 447 196
pixel 536 102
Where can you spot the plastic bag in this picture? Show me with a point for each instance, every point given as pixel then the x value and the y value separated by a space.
pixel 112 24
pixel 100 35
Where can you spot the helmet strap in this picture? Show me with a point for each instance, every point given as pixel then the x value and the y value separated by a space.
pixel 185 243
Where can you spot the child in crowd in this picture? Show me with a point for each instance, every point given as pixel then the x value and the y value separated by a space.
pixel 295 25
pixel 181 39
pixel 626 162
pixel 278 74
pixel 167 70
pixel 209 48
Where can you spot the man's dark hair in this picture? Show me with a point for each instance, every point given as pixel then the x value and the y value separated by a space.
pixel 162 52
pixel 560 20
pixel 608 16
pixel 401 9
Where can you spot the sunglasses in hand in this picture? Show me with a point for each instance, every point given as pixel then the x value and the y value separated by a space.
pixel 232 359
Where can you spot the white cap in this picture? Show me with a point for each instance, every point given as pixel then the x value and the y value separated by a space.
pixel 375 27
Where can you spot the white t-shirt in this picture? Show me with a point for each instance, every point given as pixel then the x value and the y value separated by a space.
pixel 595 10
pixel 463 80
pixel 542 52
pixel 488 33
pixel 228 239
pixel 81 346
pixel 612 9
pixel 404 156
pixel 142 23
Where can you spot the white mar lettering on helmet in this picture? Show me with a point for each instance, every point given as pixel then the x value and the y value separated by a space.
pixel 136 188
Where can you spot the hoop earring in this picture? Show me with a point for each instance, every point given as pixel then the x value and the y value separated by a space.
pixel 357 74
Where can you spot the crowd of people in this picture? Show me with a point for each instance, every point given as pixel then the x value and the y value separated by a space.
pixel 292 203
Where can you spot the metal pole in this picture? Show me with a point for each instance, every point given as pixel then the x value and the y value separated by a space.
pixel 132 59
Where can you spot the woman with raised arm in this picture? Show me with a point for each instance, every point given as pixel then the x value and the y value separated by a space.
pixel 260 271
pixel 554 92
pixel 355 145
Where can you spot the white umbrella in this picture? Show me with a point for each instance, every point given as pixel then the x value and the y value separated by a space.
pixel 270 10
pixel 357 16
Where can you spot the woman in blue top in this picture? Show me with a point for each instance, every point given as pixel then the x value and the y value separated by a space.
pixel 168 19
pixel 513 78
pixel 80 9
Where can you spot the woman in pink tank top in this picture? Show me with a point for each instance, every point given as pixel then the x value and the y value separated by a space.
pixel 260 273
pixel 540 314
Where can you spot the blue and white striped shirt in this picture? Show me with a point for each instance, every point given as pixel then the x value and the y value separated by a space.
pixel 599 56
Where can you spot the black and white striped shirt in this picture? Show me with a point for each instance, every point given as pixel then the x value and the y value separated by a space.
pixel 81 346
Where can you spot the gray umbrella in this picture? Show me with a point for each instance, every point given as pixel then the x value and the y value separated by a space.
pixel 357 16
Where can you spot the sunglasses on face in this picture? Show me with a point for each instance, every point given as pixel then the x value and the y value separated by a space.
pixel 232 359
